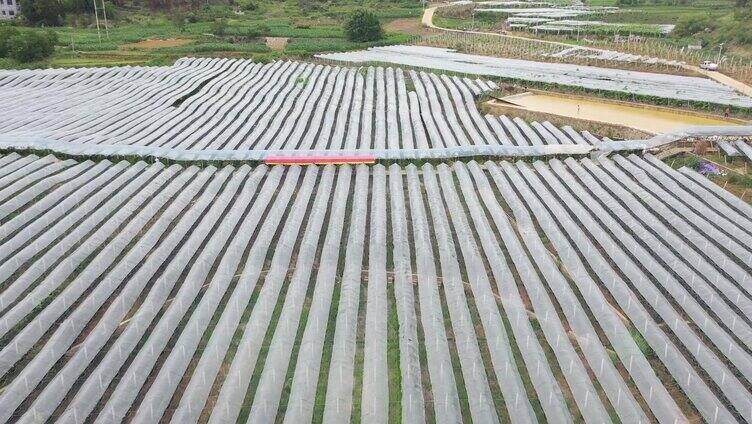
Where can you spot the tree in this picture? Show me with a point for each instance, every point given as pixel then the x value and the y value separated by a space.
pixel 42 12
pixel 363 26
pixel 30 46
pixel 78 6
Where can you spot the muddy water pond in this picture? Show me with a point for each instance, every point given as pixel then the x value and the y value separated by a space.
pixel 648 119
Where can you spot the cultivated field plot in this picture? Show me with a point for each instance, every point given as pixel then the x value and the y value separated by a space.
pixel 215 104
pixel 607 55
pixel 517 48
pixel 738 148
pixel 560 291
pixel 640 83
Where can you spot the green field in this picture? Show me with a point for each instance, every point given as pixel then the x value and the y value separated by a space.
pixel 309 30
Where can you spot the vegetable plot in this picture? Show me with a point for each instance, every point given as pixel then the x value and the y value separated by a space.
pixel 598 290
pixel 221 104
pixel 663 86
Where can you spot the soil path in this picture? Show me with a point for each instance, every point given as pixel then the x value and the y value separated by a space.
pixel 158 44
pixel 723 79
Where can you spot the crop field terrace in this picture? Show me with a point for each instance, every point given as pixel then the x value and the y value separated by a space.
pixel 643 84
pixel 614 289
pixel 233 104
pixel 558 288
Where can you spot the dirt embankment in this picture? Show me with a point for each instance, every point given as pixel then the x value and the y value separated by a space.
pixel 598 129
pixel 411 26
pixel 157 44
pixel 276 43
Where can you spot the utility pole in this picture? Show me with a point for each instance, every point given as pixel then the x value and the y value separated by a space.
pixel 104 13
pixel 720 50
pixel 96 17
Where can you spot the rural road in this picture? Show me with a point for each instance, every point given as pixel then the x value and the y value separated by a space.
pixel 723 79
pixel 737 85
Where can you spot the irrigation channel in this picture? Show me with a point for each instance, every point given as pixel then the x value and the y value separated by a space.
pixel 560 291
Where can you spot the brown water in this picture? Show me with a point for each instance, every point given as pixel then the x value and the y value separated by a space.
pixel 654 121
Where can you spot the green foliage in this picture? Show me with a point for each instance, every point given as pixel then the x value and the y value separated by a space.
pixel 219 27
pixel 734 28
pixel 178 19
pixel 30 46
pixel 308 33
pixel 6 33
pixel 309 6
pixel 52 37
pixel 738 28
pixel 110 10
pixel 693 24
pixel 363 26
pixel 248 5
pixel 653 2
pixel 741 180
pixel 78 6
pixel 257 31
pixel 43 12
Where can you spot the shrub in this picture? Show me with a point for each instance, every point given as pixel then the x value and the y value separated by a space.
pixel 51 37
pixel 257 31
pixel 309 6
pixel 692 24
pixel 6 33
pixel 178 20
pixel 247 5
pixel 30 46
pixel 363 26
pixel 111 10
pixel 78 6
pixel 219 27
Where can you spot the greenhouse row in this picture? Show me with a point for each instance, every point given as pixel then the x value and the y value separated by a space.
pixel 665 86
pixel 240 105
pixel 595 290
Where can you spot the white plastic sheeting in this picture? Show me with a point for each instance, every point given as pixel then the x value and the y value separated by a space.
pixel 237 105
pixel 559 291
pixel 640 83
pixel 190 156
pixel 744 149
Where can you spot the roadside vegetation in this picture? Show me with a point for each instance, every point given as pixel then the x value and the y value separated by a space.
pixel 25 46
pixel 735 176
pixel 158 32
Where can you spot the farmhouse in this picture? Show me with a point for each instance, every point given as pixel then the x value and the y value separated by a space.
pixel 8 9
